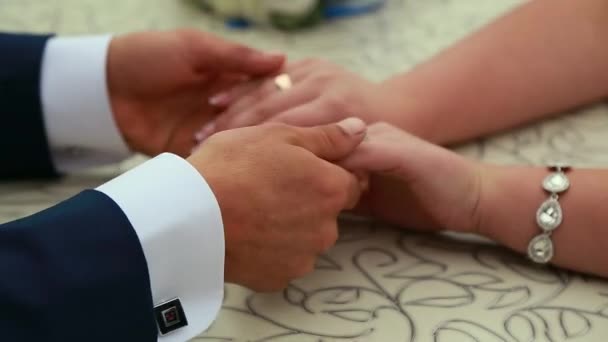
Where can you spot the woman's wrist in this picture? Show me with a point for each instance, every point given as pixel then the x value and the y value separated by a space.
pixel 408 111
pixel 509 199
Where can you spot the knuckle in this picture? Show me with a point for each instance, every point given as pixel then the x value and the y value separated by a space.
pixel 329 237
pixel 326 185
pixel 278 133
pixel 276 129
pixel 337 104
pixel 333 205
pixel 337 193
pixel 263 91
pixel 323 78
pixel 283 132
pixel 327 139
pixel 223 122
pixel 259 113
pixel 302 268
pixel 291 135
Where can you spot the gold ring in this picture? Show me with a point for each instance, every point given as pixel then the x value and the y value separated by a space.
pixel 283 82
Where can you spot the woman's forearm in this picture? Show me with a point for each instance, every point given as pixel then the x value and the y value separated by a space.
pixel 544 57
pixel 509 201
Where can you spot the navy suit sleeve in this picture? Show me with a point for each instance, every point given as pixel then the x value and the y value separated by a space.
pixel 74 272
pixel 24 150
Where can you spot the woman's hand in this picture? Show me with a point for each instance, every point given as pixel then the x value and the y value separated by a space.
pixel 416 184
pixel 321 93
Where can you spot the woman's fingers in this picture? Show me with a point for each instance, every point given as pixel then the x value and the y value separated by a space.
pixel 227 97
pixel 243 95
pixel 259 101
pixel 368 157
pixel 382 151
pixel 307 115
pixel 236 99
pixel 268 108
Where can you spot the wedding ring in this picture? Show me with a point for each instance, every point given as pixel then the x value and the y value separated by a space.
pixel 283 82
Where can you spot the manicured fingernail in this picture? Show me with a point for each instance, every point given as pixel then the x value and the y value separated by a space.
pixel 353 126
pixel 204 132
pixel 220 99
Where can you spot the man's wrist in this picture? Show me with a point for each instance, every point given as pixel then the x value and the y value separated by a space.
pixel 75 103
pixel 178 222
pixel 116 91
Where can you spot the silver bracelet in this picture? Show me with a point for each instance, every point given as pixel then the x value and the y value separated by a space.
pixel 549 216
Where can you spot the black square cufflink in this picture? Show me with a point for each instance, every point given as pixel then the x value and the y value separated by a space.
pixel 170 316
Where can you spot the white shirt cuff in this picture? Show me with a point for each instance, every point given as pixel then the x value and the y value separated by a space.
pixel 179 224
pixel 75 103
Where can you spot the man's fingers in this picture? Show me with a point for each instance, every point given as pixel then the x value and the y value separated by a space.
pixel 239 58
pixel 219 55
pixel 353 191
pixel 346 186
pixel 334 141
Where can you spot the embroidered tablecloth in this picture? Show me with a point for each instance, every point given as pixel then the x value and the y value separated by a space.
pixel 379 283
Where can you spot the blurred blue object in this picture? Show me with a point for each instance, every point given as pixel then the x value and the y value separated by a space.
pixel 238 23
pixel 347 8
pixel 285 14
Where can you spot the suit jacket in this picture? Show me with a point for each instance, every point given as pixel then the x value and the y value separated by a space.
pixel 76 271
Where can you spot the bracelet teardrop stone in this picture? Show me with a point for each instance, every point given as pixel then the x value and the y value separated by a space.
pixel 549 216
pixel 556 182
pixel 540 249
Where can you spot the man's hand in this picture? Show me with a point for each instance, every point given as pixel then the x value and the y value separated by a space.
pixel 280 196
pixel 159 83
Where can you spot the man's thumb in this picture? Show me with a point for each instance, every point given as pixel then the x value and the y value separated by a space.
pixel 335 141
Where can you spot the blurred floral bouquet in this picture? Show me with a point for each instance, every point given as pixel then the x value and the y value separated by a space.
pixel 286 14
